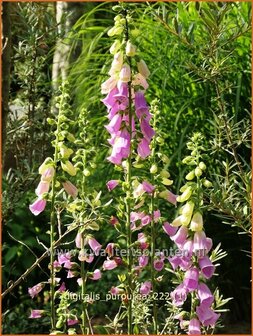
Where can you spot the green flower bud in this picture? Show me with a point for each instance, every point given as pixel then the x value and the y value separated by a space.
pixel 177 221
pixel 86 172
pixel 153 169
pixel 160 140
pixel 51 121
pixel 207 184
pixel 167 182
pixel 190 176
pixel 198 171
pixel 115 47
pixel 185 195
pixel 69 168
pixel 135 32
pixel 197 222
pixel 165 173
pixel 202 166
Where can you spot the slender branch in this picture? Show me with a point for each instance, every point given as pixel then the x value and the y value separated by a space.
pixel 39 260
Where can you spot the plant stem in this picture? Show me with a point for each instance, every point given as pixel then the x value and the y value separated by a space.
pixel 52 222
pixel 83 277
pixel 128 200
pixel 153 235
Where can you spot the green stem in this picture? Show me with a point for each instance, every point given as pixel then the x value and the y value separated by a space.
pixel 83 277
pixel 153 236
pixel 128 203
pixel 52 223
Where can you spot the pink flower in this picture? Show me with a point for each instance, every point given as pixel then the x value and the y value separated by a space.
pixel 109 249
pixel 205 296
pixel 48 174
pixel 64 257
pixel 188 248
pixel 206 315
pixel 147 130
pixel 33 291
pixel 194 327
pixel 122 95
pixel 96 275
pixel 169 229
pixel 172 198
pixel 94 245
pixel 109 265
pixel 43 187
pixel 175 261
pixel 108 85
pixel 62 288
pixel 125 74
pixel 206 266
pixel 114 290
pixel 143 261
pixel 149 188
pixel 109 100
pixel 57 264
pixel 143 148
pixel 113 220
pixel 199 243
pixel 191 279
pixel 145 220
pixel 84 256
pixel 157 215
pixel 78 240
pixel 142 239
pixel 115 124
pixel 179 295
pixel 146 288
pixel 71 274
pixel 36 314
pixel 140 80
pixel 38 206
pixel 180 237
pixel 158 265
pixel 72 321
pixel 112 184
pixel 141 106
pixel 70 189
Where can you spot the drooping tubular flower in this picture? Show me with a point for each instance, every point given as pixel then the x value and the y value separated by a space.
pixel 125 76
pixel 47 171
pixel 187 232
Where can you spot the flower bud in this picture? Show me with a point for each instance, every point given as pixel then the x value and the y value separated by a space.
pixel 197 222
pixel 177 221
pixel 165 173
pixel 125 73
pixel 143 69
pixel 188 208
pixel 153 169
pixel 65 151
pixel 185 195
pixel 116 30
pixel 69 168
pixel 115 47
pixel 202 166
pixel 86 172
pixel 167 182
pixel 198 172
pixel 130 49
pixel 190 176
pixel 207 184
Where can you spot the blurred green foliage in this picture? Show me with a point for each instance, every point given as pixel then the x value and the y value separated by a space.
pixel 199 55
